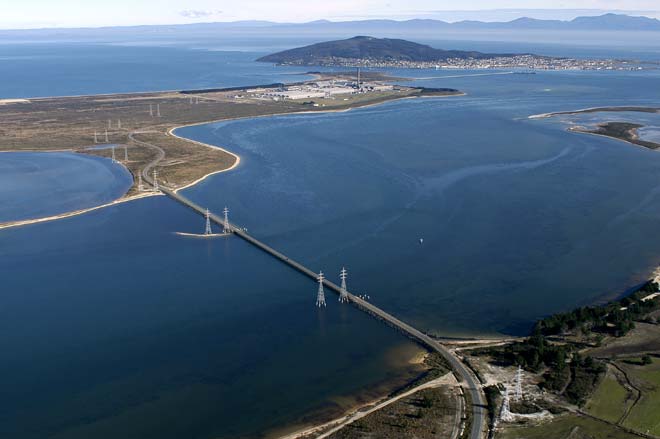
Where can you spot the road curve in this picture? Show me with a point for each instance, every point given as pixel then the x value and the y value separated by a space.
pixel 468 379
pixel 149 166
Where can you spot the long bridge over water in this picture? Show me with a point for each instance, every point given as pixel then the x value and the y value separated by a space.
pixel 468 380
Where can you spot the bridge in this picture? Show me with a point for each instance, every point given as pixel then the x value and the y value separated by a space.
pixel 469 381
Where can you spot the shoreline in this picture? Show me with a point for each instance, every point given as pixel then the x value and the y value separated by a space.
pixel 171 131
pixel 584 131
pixel 630 136
pixel 360 412
pixel 124 199
pixel 619 108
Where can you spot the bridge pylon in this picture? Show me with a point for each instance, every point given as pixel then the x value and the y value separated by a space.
pixel 208 230
pixel 343 294
pixel 320 297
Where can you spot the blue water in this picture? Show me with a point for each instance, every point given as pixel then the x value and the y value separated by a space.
pixel 114 327
pixel 519 217
pixel 41 69
pixel 35 185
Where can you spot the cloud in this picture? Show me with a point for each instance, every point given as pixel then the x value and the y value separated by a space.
pixel 199 13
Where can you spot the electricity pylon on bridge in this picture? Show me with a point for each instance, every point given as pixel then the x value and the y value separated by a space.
pixel 226 228
pixel 320 297
pixel 208 230
pixel 343 294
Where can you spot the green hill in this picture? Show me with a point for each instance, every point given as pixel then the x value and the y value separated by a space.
pixel 373 49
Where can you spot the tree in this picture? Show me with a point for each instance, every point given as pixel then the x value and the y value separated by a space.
pixel 646 360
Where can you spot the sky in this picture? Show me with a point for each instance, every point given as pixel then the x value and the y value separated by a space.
pixel 21 14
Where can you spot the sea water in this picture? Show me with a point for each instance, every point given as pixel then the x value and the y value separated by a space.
pixel 459 215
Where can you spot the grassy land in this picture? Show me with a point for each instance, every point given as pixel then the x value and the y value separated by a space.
pixel 644 338
pixel 567 427
pixel 428 414
pixel 610 400
pixel 645 415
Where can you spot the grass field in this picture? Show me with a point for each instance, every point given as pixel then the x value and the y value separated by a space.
pixel 428 414
pixel 566 427
pixel 610 400
pixel 645 415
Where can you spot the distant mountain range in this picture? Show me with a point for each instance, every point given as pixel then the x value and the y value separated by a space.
pixel 374 49
pixel 607 22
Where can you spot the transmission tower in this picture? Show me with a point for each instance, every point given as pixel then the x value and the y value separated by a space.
pixel 208 230
pixel 106 137
pixel 226 228
pixel 126 154
pixel 118 123
pixel 96 137
pixel 140 185
pixel 114 160
pixel 158 110
pixel 518 389
pixel 320 297
pixel 151 110
pixel 505 412
pixel 343 294
pixel 109 124
pixel 156 187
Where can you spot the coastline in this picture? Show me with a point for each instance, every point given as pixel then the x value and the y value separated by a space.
pixel 328 428
pixel 171 132
pixel 237 158
pixel 124 199
pixel 595 110
pixel 630 135
pixel 584 131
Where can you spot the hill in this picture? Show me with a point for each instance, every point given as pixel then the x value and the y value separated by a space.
pixel 373 49
pixel 606 22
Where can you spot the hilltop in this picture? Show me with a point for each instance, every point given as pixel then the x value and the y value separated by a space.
pixel 370 48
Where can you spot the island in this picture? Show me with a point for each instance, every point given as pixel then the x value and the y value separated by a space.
pixel 365 51
pixel 619 130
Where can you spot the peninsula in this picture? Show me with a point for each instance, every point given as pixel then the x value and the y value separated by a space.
pixel 136 130
pixel 365 51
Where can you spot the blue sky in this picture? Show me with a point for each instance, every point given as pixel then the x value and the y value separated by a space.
pixel 78 13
